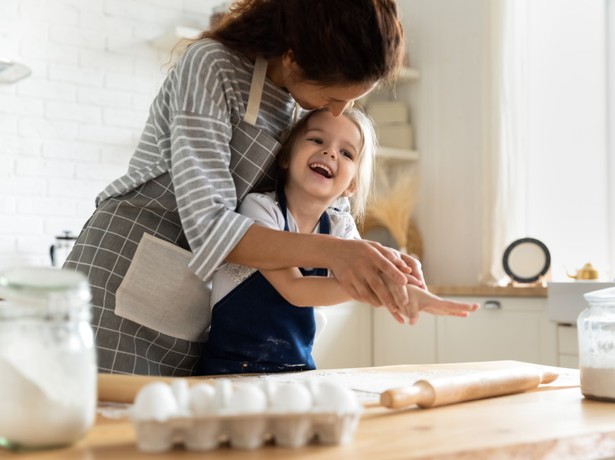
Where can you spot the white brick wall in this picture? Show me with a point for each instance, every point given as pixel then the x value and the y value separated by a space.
pixel 71 127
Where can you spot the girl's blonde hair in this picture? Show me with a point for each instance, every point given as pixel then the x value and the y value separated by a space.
pixel 367 155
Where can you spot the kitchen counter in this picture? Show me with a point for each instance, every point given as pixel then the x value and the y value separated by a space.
pixel 489 291
pixel 552 421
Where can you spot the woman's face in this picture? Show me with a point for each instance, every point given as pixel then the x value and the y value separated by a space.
pixel 287 74
pixel 324 159
pixel 311 96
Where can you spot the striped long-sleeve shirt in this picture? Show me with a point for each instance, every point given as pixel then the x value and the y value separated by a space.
pixel 188 134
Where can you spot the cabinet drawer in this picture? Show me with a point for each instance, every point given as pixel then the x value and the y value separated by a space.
pixel 396 343
pixel 346 339
pixel 567 340
pixel 570 361
pixel 504 328
pixel 530 304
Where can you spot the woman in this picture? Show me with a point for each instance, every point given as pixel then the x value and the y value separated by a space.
pixel 210 139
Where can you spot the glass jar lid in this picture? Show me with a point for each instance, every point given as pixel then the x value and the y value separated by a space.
pixel 602 296
pixel 45 287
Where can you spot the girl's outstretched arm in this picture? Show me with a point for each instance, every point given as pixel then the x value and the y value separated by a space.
pixel 307 291
pixel 422 300
pixel 367 271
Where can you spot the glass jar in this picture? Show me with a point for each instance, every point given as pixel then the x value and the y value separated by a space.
pixel 596 333
pixel 48 370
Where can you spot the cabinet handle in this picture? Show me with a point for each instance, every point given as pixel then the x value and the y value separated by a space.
pixel 492 305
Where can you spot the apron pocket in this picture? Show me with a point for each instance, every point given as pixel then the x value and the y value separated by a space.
pixel 160 292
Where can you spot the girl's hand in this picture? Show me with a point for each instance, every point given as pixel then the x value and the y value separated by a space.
pixel 423 300
pixel 397 316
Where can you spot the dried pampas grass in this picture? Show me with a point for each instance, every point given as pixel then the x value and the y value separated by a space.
pixel 392 205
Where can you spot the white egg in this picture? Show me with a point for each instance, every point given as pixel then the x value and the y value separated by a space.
pixel 202 399
pixel 312 385
pixel 155 401
pixel 292 397
pixel 180 391
pixel 247 398
pixel 334 397
pixel 269 387
pixel 224 391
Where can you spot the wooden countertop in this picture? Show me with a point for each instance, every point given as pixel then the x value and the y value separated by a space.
pixel 553 421
pixel 489 291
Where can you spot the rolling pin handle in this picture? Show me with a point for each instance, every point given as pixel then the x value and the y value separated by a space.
pixel 396 398
pixel 548 377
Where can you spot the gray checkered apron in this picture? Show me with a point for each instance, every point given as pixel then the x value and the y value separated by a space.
pixel 107 244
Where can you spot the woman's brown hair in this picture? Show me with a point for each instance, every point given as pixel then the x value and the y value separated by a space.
pixel 333 41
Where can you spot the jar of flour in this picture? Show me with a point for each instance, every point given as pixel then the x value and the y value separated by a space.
pixel 596 333
pixel 47 358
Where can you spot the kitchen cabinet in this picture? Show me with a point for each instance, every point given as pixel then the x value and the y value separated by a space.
pixel 346 340
pixel 395 343
pixel 514 328
pixel 504 328
pixel 358 335
pixel 507 327
pixel 568 346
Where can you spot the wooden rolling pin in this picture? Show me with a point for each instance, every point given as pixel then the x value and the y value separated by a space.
pixel 442 390
pixel 123 388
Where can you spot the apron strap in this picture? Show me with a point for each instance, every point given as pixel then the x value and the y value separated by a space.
pixel 324 228
pixel 256 90
pixel 324 223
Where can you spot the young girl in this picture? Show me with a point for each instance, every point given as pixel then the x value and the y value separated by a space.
pixel 262 321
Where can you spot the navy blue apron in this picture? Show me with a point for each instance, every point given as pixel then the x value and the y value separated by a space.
pixel 254 329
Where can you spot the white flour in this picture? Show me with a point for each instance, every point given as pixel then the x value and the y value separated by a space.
pixel 599 383
pixel 47 395
pixel 366 385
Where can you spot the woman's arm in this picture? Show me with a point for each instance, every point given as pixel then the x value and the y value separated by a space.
pixel 360 267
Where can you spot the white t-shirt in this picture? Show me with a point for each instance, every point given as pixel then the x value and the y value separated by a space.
pixel 263 208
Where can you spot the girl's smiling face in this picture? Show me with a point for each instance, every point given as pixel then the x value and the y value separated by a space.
pixel 324 159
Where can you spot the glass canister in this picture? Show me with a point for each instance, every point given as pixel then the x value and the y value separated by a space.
pixel 596 334
pixel 48 370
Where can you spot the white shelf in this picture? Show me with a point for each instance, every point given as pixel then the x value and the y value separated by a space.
pixel 408 74
pixel 405 75
pixel 390 153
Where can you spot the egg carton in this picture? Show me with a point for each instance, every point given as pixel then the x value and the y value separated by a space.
pixel 204 417
pixel 246 431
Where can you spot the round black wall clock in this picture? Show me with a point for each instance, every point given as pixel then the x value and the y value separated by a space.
pixel 526 260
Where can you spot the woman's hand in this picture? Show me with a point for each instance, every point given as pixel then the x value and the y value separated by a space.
pixel 373 273
pixel 368 271
pixel 415 276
